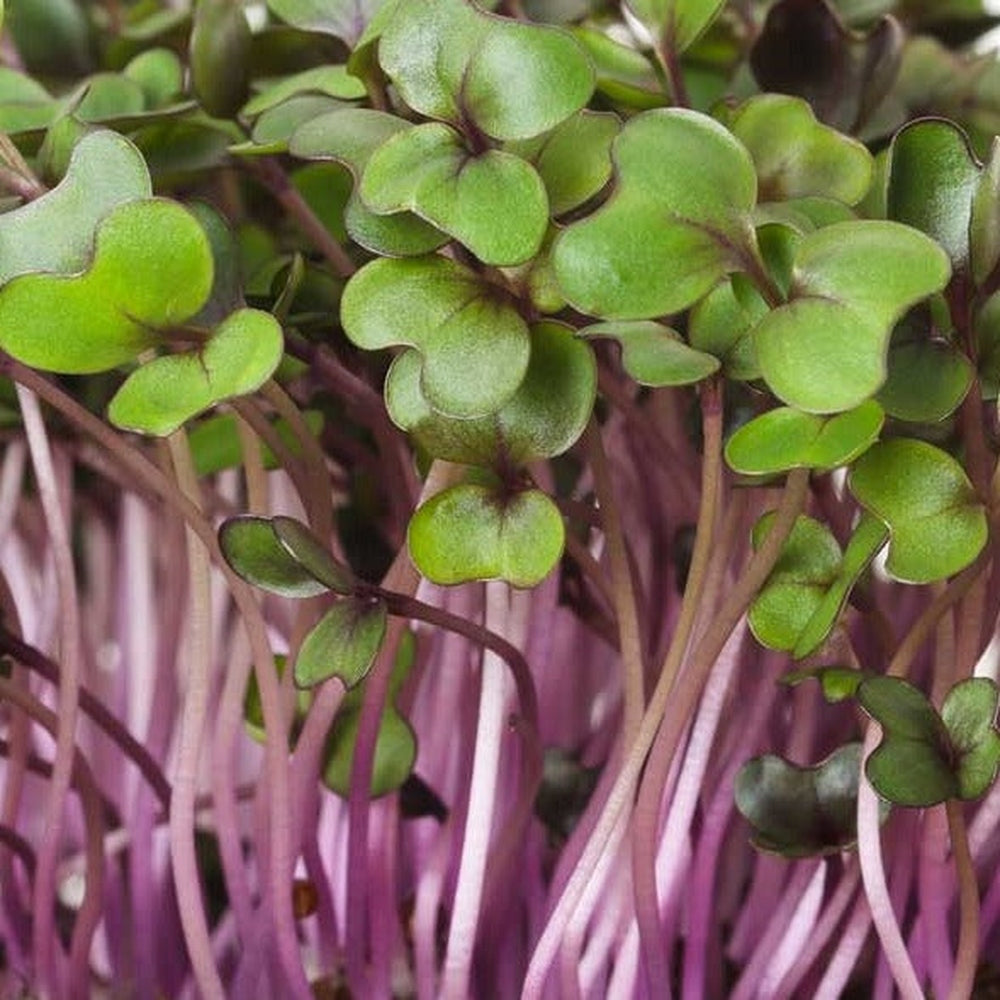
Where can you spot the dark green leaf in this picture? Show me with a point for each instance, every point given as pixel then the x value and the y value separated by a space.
pixel 343 644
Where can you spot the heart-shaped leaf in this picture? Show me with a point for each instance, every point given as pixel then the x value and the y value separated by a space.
pixel 510 80
pixel 152 269
pixel 56 231
pixel 801 811
pixel 351 136
pixel 677 222
pixel 573 160
pixel 473 343
pixel 473 532
pixel 395 746
pixel 927 381
pixel 543 418
pixel 722 322
pixel 937 524
pixel 343 643
pixel 969 714
pixel 807 567
pixel 494 202
pixel 787 438
pixel 825 351
pixel 255 553
pixel 805 49
pixel 238 358
pixel 654 354
pixel 933 176
pixel 925 758
pixel 795 155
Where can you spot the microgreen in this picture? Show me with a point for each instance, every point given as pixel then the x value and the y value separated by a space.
pixel 500 407
pixel 937 523
pixel 925 757
pixel 801 811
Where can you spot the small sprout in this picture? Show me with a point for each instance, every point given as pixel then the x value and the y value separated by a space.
pixel 937 523
pixel 254 551
pixel 924 757
pixel 825 351
pixel 343 644
pixel 473 532
pixel 677 222
pixel 786 438
pixel 801 811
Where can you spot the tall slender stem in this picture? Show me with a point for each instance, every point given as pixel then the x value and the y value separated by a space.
pixel 967 958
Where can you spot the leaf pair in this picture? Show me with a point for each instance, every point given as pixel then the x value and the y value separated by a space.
pixel 925 757
pixel 282 556
pixel 810 583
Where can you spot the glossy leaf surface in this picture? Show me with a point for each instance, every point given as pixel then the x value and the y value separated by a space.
pixel 925 758
pixel 801 811
pixel 573 160
pixel 677 221
pixel 511 80
pixel 825 351
pixel 494 203
pixel 152 269
pixel 676 22
pixel 472 532
pixel 922 494
pixel 238 358
pixel 56 231
pixel 933 176
pixel 343 643
pixel 350 136
pixel 473 344
pixel 654 354
pixel 786 438
pixel 254 552
pixel 543 418
pixel 795 155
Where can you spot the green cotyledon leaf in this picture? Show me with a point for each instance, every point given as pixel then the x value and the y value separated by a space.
pixel 801 811
pixel 56 231
pixel 510 80
pixel 795 155
pixel 938 524
pixel 825 350
pixel 473 532
pixel 237 359
pixel 786 438
pixel 151 270
pixel 494 202
pixel 543 418
pixel 677 221
pixel 473 343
